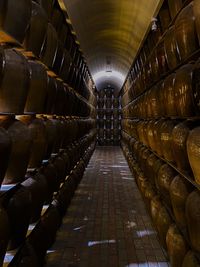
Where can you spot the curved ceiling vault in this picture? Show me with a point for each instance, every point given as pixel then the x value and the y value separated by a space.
pixel 110 33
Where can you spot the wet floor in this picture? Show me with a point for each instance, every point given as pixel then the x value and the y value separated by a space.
pixel 107 223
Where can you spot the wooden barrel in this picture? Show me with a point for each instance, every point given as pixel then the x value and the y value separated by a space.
pixel 5 151
pixel 164 16
pixel 193 144
pixel 14 20
pixel 38 88
pixel 179 191
pixel 21 139
pixel 4 233
pixel 36 32
pixel 58 58
pixel 176 246
pixel 36 184
pixel 43 235
pixel 14 81
pixel 26 256
pixel 193 219
pixel 50 96
pixel 196 86
pixel 60 101
pixel 66 65
pixel 50 46
pixel 171 49
pixel 160 55
pixel 57 18
pixel 179 138
pixel 190 260
pixel 18 208
pixel 39 143
pixel 166 139
pixel 163 223
pixel 174 7
pixel 184 91
pixel 196 10
pixel 156 205
pixel 185 32
pixel 149 166
pixel 169 96
pixel 165 176
pixel 47 6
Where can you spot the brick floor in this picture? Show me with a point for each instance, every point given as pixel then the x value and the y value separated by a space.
pixel 107 223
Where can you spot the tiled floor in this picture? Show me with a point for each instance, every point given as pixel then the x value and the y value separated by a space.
pixel 107 224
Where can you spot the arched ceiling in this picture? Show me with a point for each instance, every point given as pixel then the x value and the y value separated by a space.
pixel 110 33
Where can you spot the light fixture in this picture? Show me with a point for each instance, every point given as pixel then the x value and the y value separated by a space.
pixel 154 26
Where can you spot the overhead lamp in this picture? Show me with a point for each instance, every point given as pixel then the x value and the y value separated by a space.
pixel 154 26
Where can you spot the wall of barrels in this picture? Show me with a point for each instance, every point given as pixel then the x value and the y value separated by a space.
pixel 161 128
pixel 108 117
pixel 47 125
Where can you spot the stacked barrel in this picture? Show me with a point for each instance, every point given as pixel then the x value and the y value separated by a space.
pixel 161 128
pixel 47 124
pixel 109 117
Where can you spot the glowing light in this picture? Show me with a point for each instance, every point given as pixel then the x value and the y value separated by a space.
pixel 93 243
pixel 108 74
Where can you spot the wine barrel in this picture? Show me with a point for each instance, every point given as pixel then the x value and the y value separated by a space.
pixel 38 88
pixel 176 246
pixel 14 20
pixel 196 87
pixel 171 49
pixel 65 66
pixel 43 235
pixel 185 32
pixel 21 139
pixel 166 139
pixel 50 46
pixel 160 55
pixel 156 205
pixel 36 184
pixel 39 144
pixel 196 10
pixel 164 16
pixel 174 7
pixel 60 100
pixel 18 209
pixel 190 260
pixel 49 105
pixel 4 233
pixel 193 218
pixel 179 191
pixel 169 96
pixel 193 143
pixel 25 256
pixel 165 176
pixel 47 6
pixel 14 81
pixel 5 151
pixel 184 91
pixel 163 223
pixel 35 35
pixel 179 138
pixel 58 58
pixel 57 18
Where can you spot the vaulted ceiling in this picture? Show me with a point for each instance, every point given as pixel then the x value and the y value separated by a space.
pixel 110 33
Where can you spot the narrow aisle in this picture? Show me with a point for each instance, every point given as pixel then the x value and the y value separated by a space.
pixel 107 223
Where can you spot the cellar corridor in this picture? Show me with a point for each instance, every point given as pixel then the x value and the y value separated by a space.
pixel 107 223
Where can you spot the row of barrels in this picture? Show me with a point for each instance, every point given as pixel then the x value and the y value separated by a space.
pixel 108 113
pixel 27 140
pixel 43 31
pixel 54 185
pixel 172 203
pixel 108 102
pixel 177 44
pixel 175 96
pixel 109 123
pixel 175 141
pixel 108 120
pixel 26 87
